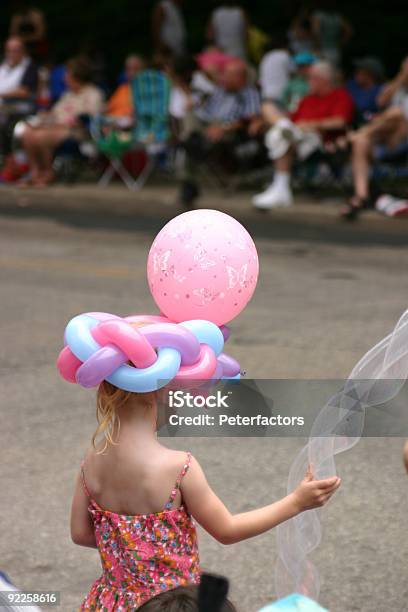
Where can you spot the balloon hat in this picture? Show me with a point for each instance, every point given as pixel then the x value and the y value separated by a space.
pixel 202 270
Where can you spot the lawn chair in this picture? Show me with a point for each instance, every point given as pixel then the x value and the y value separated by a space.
pixel 151 96
pixel 150 92
pixel 113 141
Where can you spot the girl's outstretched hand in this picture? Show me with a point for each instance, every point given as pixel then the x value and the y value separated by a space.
pixel 312 493
pixel 227 528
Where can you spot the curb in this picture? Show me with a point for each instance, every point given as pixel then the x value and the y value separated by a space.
pixel 119 209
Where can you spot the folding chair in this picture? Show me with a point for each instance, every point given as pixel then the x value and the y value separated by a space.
pixel 151 96
pixel 150 92
pixel 113 141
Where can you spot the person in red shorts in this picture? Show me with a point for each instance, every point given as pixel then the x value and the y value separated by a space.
pixel 321 116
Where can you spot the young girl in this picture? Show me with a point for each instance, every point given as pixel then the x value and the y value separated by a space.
pixel 137 502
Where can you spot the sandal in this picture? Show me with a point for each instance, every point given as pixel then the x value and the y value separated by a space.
pixel 353 208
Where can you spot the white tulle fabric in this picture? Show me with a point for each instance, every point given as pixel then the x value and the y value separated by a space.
pixel 377 378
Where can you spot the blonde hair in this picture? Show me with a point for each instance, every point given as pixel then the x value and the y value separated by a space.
pixel 108 400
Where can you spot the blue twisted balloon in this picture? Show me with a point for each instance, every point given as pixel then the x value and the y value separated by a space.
pixel 175 350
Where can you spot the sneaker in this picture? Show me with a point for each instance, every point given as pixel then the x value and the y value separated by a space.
pixel 188 193
pixel 391 207
pixel 273 197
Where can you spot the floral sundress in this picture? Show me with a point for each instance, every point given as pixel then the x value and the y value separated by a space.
pixel 142 555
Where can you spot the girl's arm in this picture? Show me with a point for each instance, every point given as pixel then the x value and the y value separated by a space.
pixel 215 518
pixel 82 530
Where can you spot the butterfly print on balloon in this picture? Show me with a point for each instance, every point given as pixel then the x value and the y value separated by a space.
pixel 160 261
pixel 205 295
pixel 237 277
pixel 177 277
pixel 203 260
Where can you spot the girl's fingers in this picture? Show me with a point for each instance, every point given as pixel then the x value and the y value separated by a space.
pixel 309 473
pixel 328 483
pixel 332 490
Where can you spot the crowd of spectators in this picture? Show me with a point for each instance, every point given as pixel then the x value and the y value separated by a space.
pixel 285 91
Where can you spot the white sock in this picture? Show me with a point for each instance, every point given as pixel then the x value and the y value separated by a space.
pixel 281 180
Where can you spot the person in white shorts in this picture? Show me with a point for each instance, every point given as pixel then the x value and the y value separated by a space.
pixel 324 112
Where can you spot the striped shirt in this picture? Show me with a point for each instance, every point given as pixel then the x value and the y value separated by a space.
pixel 229 106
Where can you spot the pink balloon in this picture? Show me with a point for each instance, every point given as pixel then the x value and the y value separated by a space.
pixel 68 364
pixel 202 265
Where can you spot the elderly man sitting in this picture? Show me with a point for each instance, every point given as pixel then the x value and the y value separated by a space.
pixel 229 114
pixel 18 88
pixel 320 116
pixel 18 74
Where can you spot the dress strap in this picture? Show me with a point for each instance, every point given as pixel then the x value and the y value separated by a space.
pixel 87 493
pixel 178 481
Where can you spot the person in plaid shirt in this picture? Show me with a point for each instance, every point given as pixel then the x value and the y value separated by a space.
pixel 226 117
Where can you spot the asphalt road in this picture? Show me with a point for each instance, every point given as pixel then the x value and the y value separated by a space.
pixel 319 306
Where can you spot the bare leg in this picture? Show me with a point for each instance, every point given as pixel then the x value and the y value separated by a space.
pixel 46 140
pixel 271 113
pixel 29 141
pixel 284 163
pixel 382 125
pixel 389 127
pixel 360 164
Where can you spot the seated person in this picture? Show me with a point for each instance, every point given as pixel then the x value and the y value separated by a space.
pixel 18 74
pixel 225 116
pixel 193 81
pixel 120 103
pixel 18 88
pixel 298 84
pixel 365 87
pixel 211 64
pixel 45 132
pixel 321 115
pixel 389 129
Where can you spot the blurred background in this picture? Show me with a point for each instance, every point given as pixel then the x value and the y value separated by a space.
pixel 118 27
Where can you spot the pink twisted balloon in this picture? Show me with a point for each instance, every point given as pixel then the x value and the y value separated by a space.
pixel 99 346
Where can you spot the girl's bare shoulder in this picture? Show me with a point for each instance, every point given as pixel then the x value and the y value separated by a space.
pixel 174 458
